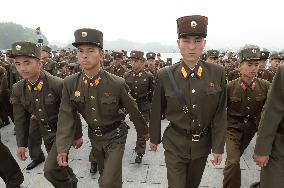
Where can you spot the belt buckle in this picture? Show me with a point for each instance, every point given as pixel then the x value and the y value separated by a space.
pixel 98 132
pixel 195 137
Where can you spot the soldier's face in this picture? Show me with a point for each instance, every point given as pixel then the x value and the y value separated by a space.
pixel 212 59
pixel 275 63
pixel 44 56
pixel 89 56
pixel 151 64
pixel 191 48
pixel 249 69
pixel 28 67
pixel 262 64
pixel 117 61
pixel 136 64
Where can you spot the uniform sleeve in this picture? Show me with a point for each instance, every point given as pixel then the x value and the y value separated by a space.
pixel 21 119
pixel 66 127
pixel 157 109
pixel 151 87
pixel 131 107
pixel 219 123
pixel 272 116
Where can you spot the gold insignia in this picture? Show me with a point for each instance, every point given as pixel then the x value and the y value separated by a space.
pixel 84 34
pixel 77 93
pixel 253 51
pixel 184 72
pixel 18 47
pixel 199 71
pixel 193 24
pixel 107 94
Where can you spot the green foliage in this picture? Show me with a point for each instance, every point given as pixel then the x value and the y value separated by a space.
pixel 11 32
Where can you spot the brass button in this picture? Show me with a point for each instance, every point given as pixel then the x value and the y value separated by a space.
pixel 40 110
pixel 93 109
pixel 36 100
pixel 193 91
pixel 92 97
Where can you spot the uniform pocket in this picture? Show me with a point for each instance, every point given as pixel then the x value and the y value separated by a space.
pixel 109 105
pixel 213 90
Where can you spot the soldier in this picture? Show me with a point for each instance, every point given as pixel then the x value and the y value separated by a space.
pixel 234 74
pixel 141 85
pixel 10 171
pixel 4 98
pixel 150 56
pixel 62 69
pixel 116 68
pixel 269 148
pixel 263 72
pixel 39 95
pixel 192 95
pixel 246 97
pixel 212 56
pixel 47 64
pixel 274 61
pixel 99 97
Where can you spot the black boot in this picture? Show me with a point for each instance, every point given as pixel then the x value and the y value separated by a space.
pixel 34 163
pixel 255 185
pixel 139 158
pixel 94 168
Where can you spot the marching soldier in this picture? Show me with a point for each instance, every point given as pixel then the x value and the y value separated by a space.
pixel 212 56
pixel 48 64
pixel 274 61
pixel 141 85
pixel 99 97
pixel 39 95
pixel 116 68
pixel 246 97
pixel 152 68
pixel 263 72
pixel 62 69
pixel 192 95
pixel 269 148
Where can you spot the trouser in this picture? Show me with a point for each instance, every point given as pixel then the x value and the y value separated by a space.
pixel 141 142
pixel 236 142
pixel 272 176
pixel 59 177
pixel 35 141
pixel 10 171
pixel 182 171
pixel 109 150
pixel 92 157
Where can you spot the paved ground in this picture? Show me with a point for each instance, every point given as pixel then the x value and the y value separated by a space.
pixel 150 174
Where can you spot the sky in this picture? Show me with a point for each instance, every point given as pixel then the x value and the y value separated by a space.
pixel 231 23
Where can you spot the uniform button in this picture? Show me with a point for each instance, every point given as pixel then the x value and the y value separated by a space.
pixel 36 100
pixel 248 98
pixel 248 107
pixel 136 81
pixel 135 93
pixel 41 119
pixel 192 74
pixel 95 120
pixel 92 97
pixel 135 87
pixel 193 91
pixel 35 88
pixel 91 84
pixel 193 106
pixel 40 110
pixel 94 109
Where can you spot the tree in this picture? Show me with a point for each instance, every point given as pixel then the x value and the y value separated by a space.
pixel 12 32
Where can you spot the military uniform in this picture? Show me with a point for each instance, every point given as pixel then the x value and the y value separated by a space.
pixel 49 65
pixel 99 100
pixel 4 98
pixel 269 141
pixel 245 103
pixel 117 70
pixel 197 126
pixel 274 56
pixel 212 56
pixel 42 100
pixel 10 171
pixel 141 86
pixel 263 72
pixel 150 56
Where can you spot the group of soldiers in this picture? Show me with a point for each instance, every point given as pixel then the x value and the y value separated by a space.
pixel 209 101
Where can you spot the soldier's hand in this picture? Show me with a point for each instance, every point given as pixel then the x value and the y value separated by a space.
pixel 78 143
pixel 33 118
pixel 217 159
pixel 21 153
pixel 62 159
pixel 146 136
pixel 260 160
pixel 153 147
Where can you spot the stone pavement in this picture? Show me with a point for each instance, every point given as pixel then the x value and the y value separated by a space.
pixel 150 174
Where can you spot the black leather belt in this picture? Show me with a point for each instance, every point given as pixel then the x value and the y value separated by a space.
pixel 243 119
pixel 195 136
pixel 100 131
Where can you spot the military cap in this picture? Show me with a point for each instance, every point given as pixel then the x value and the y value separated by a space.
pixel 117 55
pixel 195 25
pixel 150 55
pixel 46 49
pixel 25 49
pixel 213 53
pixel 124 52
pixel 203 56
pixel 158 54
pixel 249 54
pixel 275 56
pixel 61 64
pixel 135 54
pixel 264 54
pixel 88 36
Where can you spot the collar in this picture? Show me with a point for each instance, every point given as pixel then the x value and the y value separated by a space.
pixel 245 86
pixel 186 71
pixel 38 85
pixel 94 81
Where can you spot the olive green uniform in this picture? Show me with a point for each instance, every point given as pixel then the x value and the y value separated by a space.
pixel 266 75
pixel 10 171
pixel 118 71
pixel 270 137
pixel 44 104
pixel 100 101
pixel 189 140
pixel 50 66
pixel 141 86
pixel 244 108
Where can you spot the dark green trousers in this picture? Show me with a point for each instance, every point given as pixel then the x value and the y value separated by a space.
pixel 10 171
pixel 140 142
